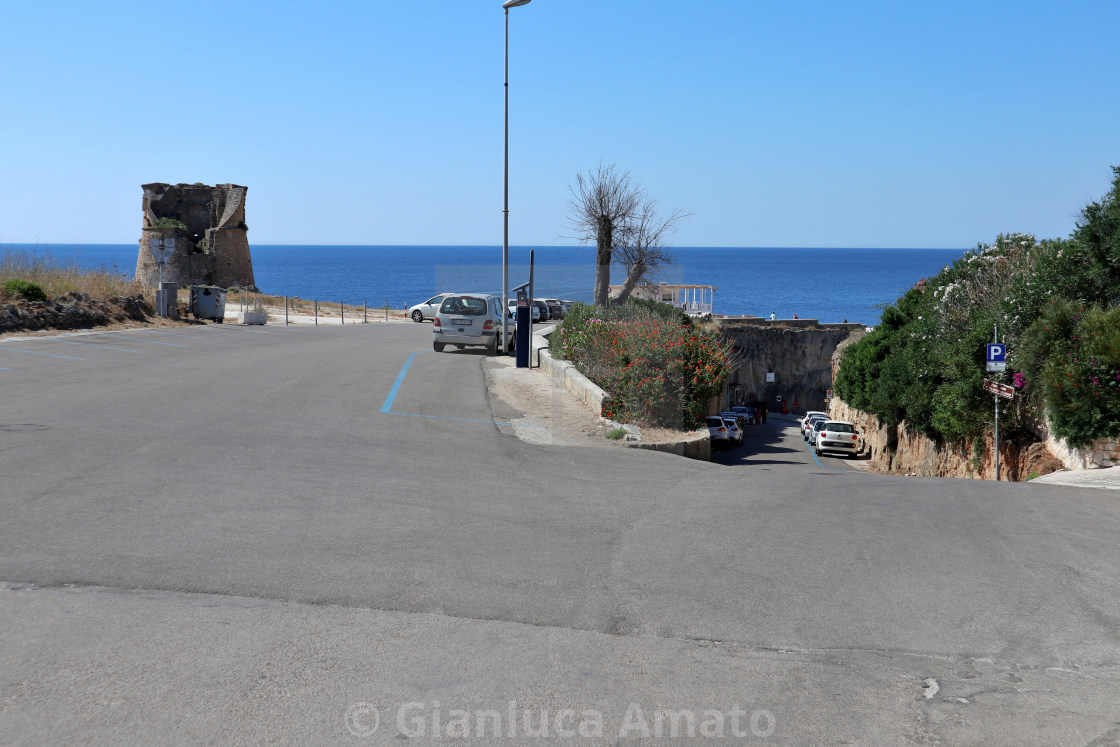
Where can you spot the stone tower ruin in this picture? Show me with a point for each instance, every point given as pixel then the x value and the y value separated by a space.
pixel 211 238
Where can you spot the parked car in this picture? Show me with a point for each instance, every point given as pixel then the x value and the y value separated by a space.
pixel 747 412
pixel 739 418
pixel 536 312
pixel 805 420
pixel 546 313
pixel 717 431
pixel 555 308
pixel 810 424
pixel 566 305
pixel 471 320
pixel 734 430
pixel 811 431
pixel 837 436
pixel 427 309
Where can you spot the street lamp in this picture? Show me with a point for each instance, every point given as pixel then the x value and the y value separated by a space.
pixel 505 195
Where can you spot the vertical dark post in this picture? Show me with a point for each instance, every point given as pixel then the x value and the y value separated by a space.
pixel 342 308
pixel 316 312
pixel 532 303
pixel 285 311
pixel 996 398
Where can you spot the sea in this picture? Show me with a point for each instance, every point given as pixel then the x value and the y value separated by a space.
pixel 830 285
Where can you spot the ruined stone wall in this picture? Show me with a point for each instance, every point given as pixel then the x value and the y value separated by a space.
pixel 212 249
pixel 798 353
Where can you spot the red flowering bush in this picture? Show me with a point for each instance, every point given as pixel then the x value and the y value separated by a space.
pixel 658 370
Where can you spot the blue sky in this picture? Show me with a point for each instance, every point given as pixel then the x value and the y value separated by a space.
pixel 871 124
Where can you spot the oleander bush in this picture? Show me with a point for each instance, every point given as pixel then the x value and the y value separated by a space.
pixel 1055 303
pixel 658 367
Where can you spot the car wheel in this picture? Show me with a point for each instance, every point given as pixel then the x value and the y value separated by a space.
pixel 492 346
pixel 437 346
pixel 417 316
pixel 817 451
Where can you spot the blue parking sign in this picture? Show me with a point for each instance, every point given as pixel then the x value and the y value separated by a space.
pixel 997 356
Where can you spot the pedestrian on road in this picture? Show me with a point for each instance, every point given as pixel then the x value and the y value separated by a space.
pixel 764 413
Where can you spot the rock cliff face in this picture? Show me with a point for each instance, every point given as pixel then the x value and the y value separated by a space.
pixel 798 354
pixel 900 450
pixel 212 249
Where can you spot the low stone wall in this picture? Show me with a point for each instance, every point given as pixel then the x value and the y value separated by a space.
pixel 568 376
pixel 697 447
pixel 591 394
pixel 71 311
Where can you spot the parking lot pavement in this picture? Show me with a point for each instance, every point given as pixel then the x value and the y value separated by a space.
pixel 1105 479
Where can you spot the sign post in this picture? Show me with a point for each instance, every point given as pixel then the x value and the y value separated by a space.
pixel 161 250
pixel 996 356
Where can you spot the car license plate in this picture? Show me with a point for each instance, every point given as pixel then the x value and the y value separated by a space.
pixel 461 322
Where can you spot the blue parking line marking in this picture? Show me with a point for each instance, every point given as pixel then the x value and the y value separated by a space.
pixel 104 347
pixel 388 406
pixel 4 369
pixel 813 454
pixel 32 352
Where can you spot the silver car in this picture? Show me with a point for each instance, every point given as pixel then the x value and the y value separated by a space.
pixel 471 320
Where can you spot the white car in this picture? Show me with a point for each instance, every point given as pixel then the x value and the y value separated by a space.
pixel 734 432
pixel 427 309
pixel 717 431
pixel 811 423
pixel 838 436
pixel 805 420
pixel 533 309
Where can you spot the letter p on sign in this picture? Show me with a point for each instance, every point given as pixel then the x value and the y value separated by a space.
pixel 997 357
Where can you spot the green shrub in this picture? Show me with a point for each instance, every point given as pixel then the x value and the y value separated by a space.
pixel 1054 302
pixel 17 288
pixel 170 223
pixel 1079 370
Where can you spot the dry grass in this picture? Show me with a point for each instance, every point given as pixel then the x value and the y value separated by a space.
pixel 57 278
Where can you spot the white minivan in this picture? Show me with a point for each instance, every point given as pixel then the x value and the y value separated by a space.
pixel 471 320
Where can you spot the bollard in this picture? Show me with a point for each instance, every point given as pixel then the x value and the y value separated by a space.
pixel 285 311
pixel 365 312
pixel 342 308
pixel 316 312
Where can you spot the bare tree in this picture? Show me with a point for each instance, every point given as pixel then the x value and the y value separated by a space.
pixel 602 202
pixel 641 245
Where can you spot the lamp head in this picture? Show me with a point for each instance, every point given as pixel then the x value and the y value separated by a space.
pixel 514 3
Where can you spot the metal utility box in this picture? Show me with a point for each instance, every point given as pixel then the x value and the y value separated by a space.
pixel 208 302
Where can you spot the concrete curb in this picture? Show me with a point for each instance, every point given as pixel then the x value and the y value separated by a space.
pixel 566 375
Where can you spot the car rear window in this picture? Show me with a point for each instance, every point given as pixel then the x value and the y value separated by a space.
pixel 838 427
pixel 464 305
pixel 715 421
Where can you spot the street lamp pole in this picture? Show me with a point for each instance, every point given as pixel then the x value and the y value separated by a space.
pixel 505 187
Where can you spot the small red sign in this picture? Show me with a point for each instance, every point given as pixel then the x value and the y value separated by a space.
pixel 999 390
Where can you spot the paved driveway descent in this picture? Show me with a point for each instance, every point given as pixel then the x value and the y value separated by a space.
pixel 226 534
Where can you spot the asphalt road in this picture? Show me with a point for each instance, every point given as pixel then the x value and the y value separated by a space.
pixel 226 534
